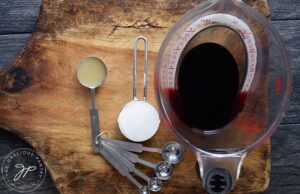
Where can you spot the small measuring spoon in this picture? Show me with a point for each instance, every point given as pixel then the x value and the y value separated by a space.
pixel 121 168
pixel 154 183
pixel 163 170
pixel 139 120
pixel 172 152
pixel 92 73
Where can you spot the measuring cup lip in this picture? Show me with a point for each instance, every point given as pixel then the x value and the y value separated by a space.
pixel 99 83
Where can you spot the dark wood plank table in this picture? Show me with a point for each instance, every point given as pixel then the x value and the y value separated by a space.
pixel 18 19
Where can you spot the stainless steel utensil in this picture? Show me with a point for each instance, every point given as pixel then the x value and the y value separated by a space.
pixel 172 152
pixel 121 167
pixel 163 170
pixel 137 112
pixel 154 183
pixel 94 116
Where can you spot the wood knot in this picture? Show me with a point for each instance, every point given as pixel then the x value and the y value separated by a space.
pixel 15 80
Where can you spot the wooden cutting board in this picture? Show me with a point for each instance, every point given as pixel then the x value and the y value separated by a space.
pixel 42 101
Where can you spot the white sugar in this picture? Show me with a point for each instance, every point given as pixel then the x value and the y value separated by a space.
pixel 138 121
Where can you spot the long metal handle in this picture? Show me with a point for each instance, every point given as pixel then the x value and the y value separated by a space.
pixel 134 158
pixel 145 66
pixel 129 164
pixel 133 147
pixel 118 165
pixel 147 163
pixel 156 150
pixel 129 146
pixel 140 174
pixel 117 154
pixel 134 181
pixel 94 121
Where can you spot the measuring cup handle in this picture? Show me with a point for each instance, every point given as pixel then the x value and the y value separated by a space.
pixel 144 39
pixel 219 173
pixel 95 126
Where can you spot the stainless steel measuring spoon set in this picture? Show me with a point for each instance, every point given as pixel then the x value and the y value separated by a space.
pixel 123 155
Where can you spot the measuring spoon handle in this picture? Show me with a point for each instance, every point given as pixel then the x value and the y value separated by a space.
pixel 119 166
pixel 140 174
pixel 134 181
pixel 129 146
pixel 146 163
pixel 113 159
pixel 117 154
pixel 149 149
pixel 129 164
pixel 95 126
pixel 132 157
pixel 134 147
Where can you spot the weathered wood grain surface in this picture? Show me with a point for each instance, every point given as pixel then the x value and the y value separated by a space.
pixel 42 101
pixel 285 10
pixel 285 155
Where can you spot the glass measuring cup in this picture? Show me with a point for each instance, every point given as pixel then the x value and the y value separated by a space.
pixel 222 84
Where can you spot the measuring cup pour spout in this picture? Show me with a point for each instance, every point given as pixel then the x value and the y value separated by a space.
pixel 219 173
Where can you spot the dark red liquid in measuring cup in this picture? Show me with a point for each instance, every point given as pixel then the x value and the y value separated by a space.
pixel 207 96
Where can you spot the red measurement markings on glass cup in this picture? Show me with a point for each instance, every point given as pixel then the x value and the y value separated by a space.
pixel 177 49
pixel 252 50
pixel 252 56
pixel 246 32
pixel 252 68
pixel 235 21
pixel 191 30
pixel 206 21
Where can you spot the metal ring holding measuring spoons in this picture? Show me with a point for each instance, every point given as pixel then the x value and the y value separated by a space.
pixel 99 137
pixel 139 120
